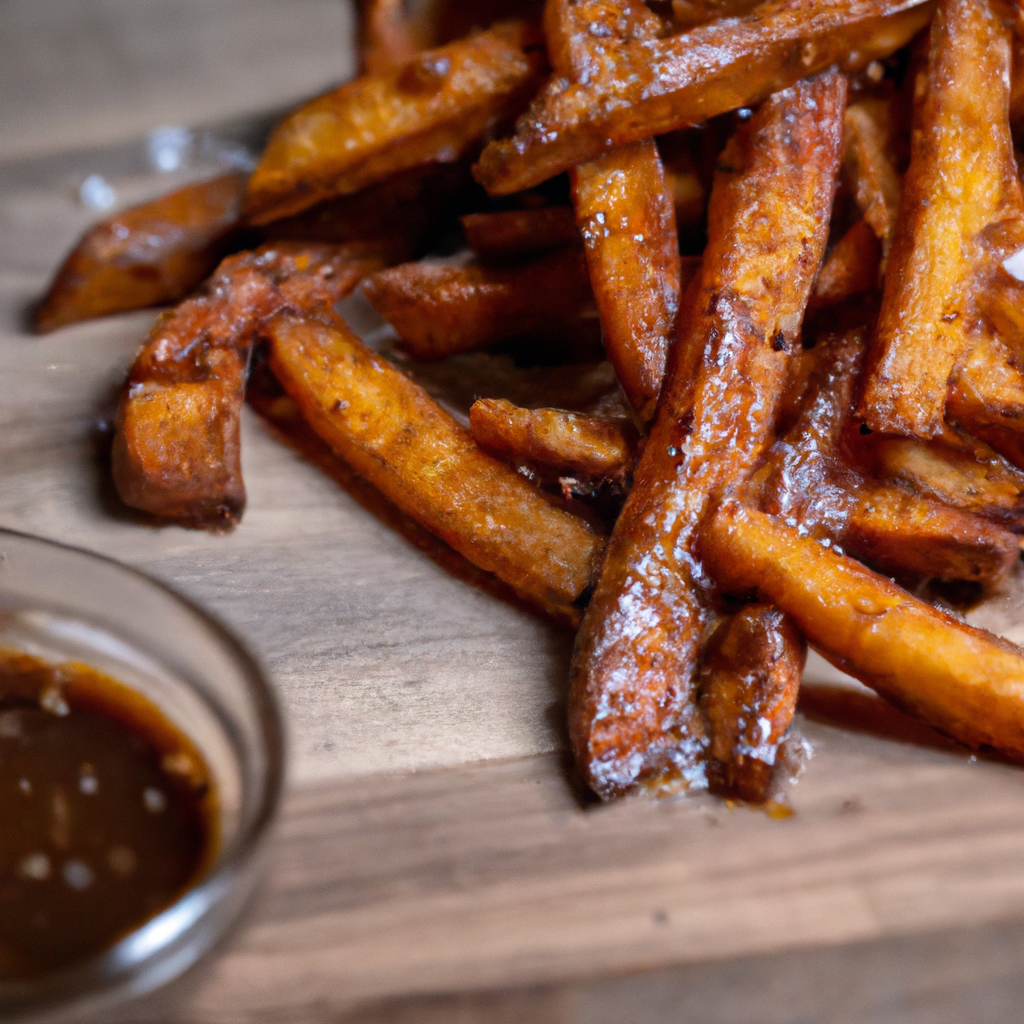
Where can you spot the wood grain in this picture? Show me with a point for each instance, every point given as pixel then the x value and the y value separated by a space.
pixel 433 862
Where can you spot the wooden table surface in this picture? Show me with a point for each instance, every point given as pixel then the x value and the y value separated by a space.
pixel 432 862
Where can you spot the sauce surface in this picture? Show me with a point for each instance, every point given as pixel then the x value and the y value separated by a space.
pixel 107 813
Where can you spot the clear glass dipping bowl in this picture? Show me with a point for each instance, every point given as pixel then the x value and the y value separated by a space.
pixel 63 604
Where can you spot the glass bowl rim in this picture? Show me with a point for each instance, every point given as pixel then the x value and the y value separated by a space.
pixel 105 971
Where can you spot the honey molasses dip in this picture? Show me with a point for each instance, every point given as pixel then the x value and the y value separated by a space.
pixel 107 813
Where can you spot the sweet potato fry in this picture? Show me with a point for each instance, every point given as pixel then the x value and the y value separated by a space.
pixel 806 482
pixel 439 310
pixel 517 234
pixel 145 256
pixel 962 680
pixel 433 109
pixel 690 13
pixel 963 473
pixel 749 682
pixel 956 212
pixel 634 720
pixel 176 449
pixel 987 390
pixel 624 208
pixel 869 167
pixel 627 219
pixel 649 87
pixel 387 39
pixel 570 443
pixel 396 218
pixel 389 430
pixel 851 268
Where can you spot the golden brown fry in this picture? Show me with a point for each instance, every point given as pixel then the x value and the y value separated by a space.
pixel 649 87
pixel 435 108
pixel 987 390
pixel 387 39
pixel 964 681
pixel 690 13
pixel 516 234
pixel 633 714
pixel 851 268
pixel 749 682
pixel 176 449
pixel 869 167
pixel 570 443
pixel 389 430
pixel 439 310
pixel 145 256
pixel 395 218
pixel 902 532
pixel 956 213
pixel 961 472
pixel 807 483
pixel 624 208
pixel 627 219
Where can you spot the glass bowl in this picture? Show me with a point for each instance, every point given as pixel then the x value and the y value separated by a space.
pixel 62 604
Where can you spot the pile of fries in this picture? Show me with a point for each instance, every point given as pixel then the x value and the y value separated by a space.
pixel 799 226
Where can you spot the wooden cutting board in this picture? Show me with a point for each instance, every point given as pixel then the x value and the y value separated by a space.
pixel 431 840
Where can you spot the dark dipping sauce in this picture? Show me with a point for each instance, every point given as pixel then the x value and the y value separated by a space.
pixel 107 813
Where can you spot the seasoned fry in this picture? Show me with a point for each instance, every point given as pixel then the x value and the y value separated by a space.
pixel 806 482
pixel 176 450
pixel 389 430
pixel 987 390
pixel 517 234
pixel 955 214
pixel 570 443
pixel 649 87
pixel 624 208
pixel 145 256
pixel 439 310
pixel 628 223
pixel 690 13
pixel 394 218
pixel 851 268
pixel 962 680
pixel 749 682
pixel 868 166
pixel 961 472
pixel 633 714
pixel 434 109
pixel 387 39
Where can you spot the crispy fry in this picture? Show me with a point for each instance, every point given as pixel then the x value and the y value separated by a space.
pixel 516 234
pixel 176 450
pixel 961 472
pixel 869 167
pixel 624 209
pixel 627 220
pixel 435 108
pixel 649 87
pixel 749 682
pixel 851 268
pixel 389 430
pixel 633 714
pixel 807 483
pixel 387 39
pixel 570 443
pixel 955 214
pixel 439 310
pixel 396 218
pixel 987 390
pixel 690 13
pixel 964 681
pixel 145 256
